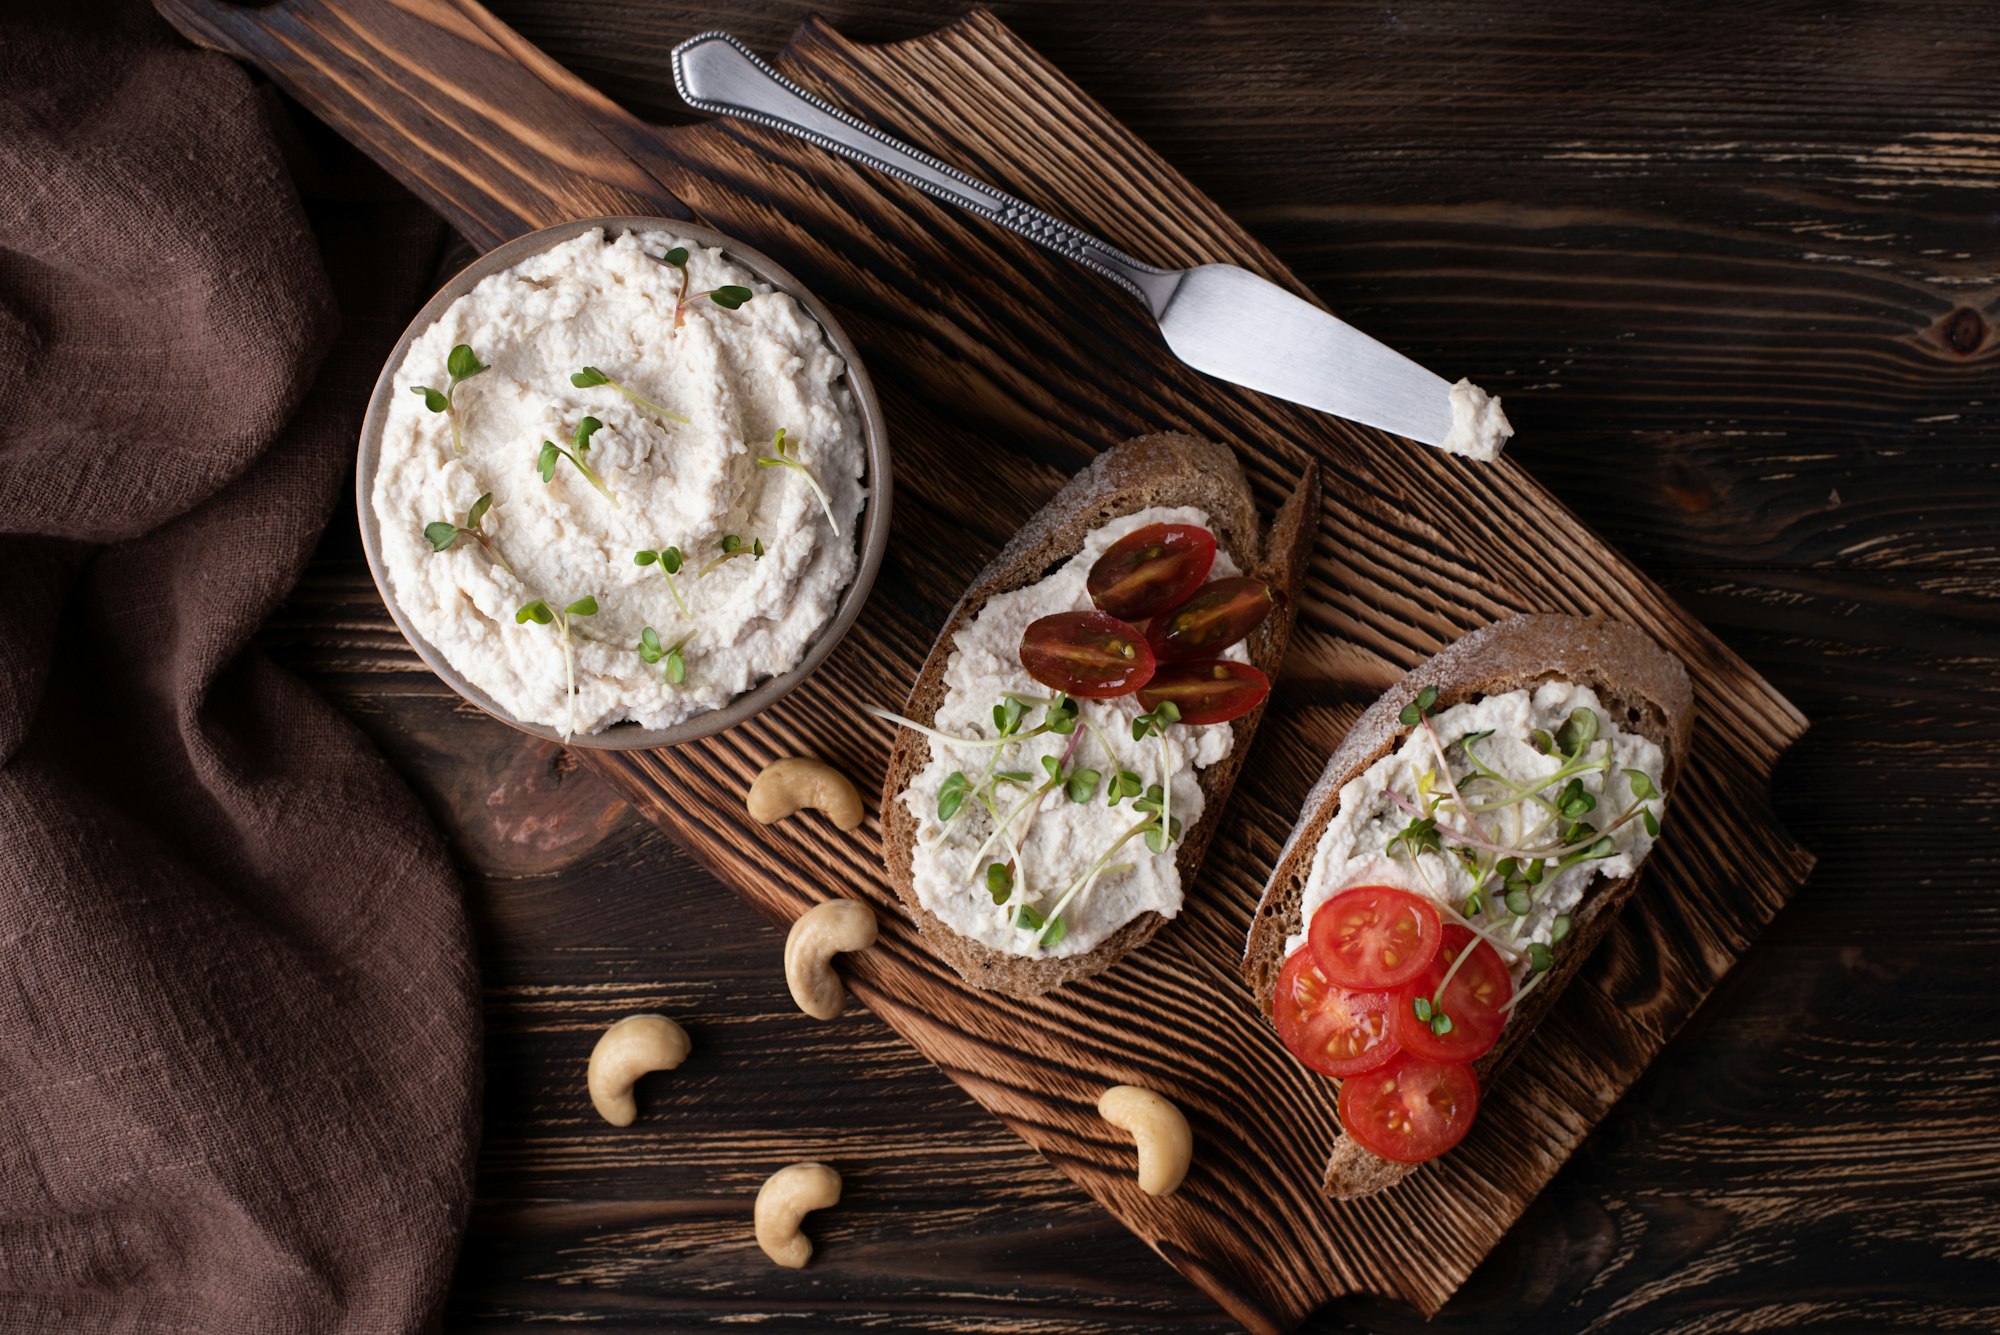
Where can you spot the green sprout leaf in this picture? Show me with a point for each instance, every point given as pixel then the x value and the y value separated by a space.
pixel 585 429
pixel 1559 928
pixel 1157 839
pixel 678 257
pixel 1419 836
pixel 478 512
pixel 1061 715
pixel 545 463
pixel 730 297
pixel 537 612
pixel 589 377
pixel 1007 716
pixel 1604 847
pixel 1420 708
pixel 585 606
pixel 433 400
pixel 999 882
pixel 1519 902
pixel 1578 731
pixel 952 795
pixel 1650 821
pixel 1125 784
pixel 1441 1024
pixel 1642 784
pixel 1421 1007
pixel 1082 785
pixel 1540 957
pixel 1156 722
pixel 677 668
pixel 1573 802
pixel 462 364
pixel 441 534
pixel 650 648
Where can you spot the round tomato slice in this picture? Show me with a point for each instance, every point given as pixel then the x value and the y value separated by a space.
pixel 1090 655
pixel 1411 1110
pixel 1332 1030
pixel 1150 570
pixel 1471 1005
pixel 1219 613
pixel 1215 690
pixel 1374 937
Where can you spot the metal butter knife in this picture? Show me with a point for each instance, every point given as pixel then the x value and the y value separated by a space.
pixel 1218 318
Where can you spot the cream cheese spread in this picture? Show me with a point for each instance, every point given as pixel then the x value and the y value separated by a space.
pixel 1479 430
pixel 738 375
pixel 1059 840
pixel 1359 847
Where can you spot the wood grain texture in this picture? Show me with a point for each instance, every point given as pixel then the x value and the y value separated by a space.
pixel 1409 556
pixel 1704 1210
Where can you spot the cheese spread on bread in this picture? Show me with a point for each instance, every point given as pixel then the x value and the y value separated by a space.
pixel 1361 844
pixel 1059 840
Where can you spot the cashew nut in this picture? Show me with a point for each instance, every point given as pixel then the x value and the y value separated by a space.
pixel 627 1050
pixel 786 786
pixel 823 931
pixel 784 1200
pixel 1165 1142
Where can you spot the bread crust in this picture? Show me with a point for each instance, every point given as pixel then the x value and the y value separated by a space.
pixel 1165 469
pixel 1642 685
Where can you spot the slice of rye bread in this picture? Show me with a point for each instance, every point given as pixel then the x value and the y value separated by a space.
pixel 1643 687
pixel 1166 469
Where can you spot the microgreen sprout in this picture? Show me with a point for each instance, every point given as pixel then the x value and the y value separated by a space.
pixel 542 614
pixel 461 364
pixel 590 377
pixel 999 882
pixel 1420 708
pixel 669 560
pixel 729 296
pixel 653 651
pixel 732 547
pixel 578 454
pixel 1156 724
pixel 952 794
pixel 781 456
pixel 443 534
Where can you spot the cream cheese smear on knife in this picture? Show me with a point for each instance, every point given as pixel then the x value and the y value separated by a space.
pixel 624 485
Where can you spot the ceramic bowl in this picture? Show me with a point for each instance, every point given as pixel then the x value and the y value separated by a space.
pixel 873 527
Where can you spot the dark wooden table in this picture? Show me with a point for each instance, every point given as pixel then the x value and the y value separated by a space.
pixel 1735 268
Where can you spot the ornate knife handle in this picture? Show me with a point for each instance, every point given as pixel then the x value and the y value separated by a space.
pixel 716 73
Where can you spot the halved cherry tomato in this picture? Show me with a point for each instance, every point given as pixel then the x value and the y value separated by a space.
pixel 1150 570
pixel 1375 937
pixel 1410 1110
pixel 1090 655
pixel 1472 1003
pixel 1215 690
pixel 1331 1029
pixel 1217 615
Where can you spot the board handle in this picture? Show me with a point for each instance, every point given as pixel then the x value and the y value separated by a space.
pixel 456 105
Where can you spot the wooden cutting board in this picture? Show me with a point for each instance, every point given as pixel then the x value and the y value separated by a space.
pixel 1002 369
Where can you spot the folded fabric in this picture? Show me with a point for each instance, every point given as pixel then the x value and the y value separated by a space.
pixel 239 1029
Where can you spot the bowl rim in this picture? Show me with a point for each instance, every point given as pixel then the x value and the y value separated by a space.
pixel 875 481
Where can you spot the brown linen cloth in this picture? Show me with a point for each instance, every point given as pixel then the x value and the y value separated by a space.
pixel 239 1035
